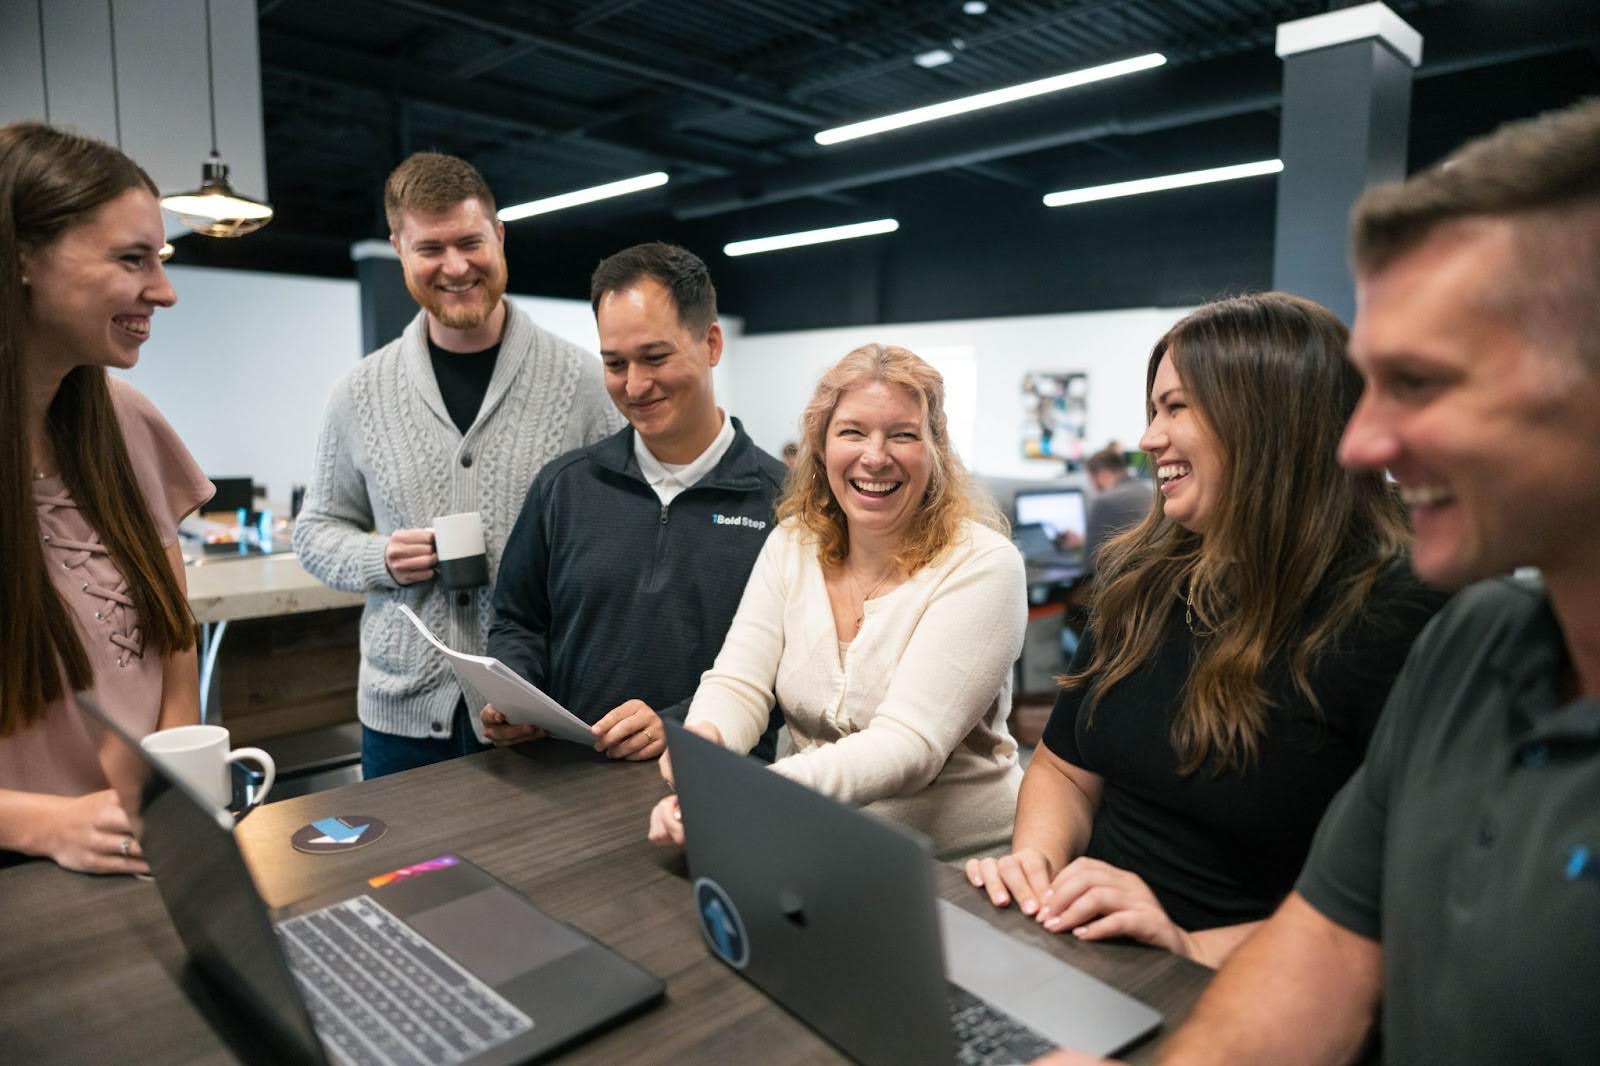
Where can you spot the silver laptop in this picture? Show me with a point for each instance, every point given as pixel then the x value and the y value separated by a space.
pixel 833 913
pixel 433 963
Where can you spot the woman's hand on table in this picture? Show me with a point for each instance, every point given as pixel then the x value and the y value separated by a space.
pixel 1097 901
pixel 92 834
pixel 503 732
pixel 1024 876
pixel 666 823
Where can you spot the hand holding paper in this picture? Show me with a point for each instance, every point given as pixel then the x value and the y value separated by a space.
pixel 511 694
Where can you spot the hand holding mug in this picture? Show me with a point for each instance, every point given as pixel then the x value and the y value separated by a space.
pixel 409 555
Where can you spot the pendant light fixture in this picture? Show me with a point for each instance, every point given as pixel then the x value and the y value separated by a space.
pixel 215 209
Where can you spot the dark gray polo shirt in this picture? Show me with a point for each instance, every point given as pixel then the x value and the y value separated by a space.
pixel 1469 843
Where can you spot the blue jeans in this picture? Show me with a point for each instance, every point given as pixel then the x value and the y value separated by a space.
pixel 387 753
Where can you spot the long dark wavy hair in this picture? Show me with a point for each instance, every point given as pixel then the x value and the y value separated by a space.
pixel 1268 375
pixel 50 181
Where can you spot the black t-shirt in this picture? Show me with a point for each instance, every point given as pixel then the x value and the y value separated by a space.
pixel 1219 849
pixel 463 380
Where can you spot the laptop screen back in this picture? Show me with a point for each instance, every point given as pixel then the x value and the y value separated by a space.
pixel 1032 541
pixel 208 891
pixel 836 906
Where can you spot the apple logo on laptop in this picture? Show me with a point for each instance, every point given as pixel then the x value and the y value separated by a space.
pixel 793 907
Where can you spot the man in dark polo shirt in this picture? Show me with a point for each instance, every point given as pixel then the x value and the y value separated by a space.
pixel 631 555
pixel 1450 908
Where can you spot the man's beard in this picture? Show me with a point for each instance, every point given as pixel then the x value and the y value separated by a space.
pixel 455 315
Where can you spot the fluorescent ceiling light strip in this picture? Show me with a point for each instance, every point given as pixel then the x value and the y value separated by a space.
pixel 1168 181
pixel 991 98
pixel 583 196
pixel 811 236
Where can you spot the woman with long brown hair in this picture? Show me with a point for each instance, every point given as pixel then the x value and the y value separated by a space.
pixel 93 483
pixel 1241 642
pixel 882 616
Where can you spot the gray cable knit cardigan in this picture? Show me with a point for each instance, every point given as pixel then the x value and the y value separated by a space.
pixel 391 458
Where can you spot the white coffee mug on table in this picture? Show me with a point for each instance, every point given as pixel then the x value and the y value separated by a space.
pixel 199 755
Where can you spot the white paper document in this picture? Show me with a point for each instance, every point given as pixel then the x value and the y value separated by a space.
pixel 511 693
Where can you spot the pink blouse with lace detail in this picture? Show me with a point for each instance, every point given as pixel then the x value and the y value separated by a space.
pixel 59 754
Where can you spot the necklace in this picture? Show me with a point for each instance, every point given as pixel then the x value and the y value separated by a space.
pixel 1188 614
pixel 861 611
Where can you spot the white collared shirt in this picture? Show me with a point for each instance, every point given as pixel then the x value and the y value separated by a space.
pixel 669 479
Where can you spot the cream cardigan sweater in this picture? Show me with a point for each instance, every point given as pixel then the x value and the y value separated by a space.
pixel 909 720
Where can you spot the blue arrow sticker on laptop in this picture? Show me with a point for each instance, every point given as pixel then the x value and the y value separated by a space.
pixel 721 924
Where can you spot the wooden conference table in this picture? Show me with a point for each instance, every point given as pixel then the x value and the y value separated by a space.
pixel 93 971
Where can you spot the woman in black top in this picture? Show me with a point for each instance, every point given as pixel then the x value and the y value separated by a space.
pixel 1242 640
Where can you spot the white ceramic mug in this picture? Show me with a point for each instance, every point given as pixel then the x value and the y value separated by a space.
pixel 199 755
pixel 458 540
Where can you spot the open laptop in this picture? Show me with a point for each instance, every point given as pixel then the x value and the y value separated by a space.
pixel 832 912
pixel 437 962
pixel 1063 518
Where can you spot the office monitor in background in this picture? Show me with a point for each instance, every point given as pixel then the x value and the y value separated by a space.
pixel 1064 514
pixel 436 962
pixel 832 912
pixel 233 494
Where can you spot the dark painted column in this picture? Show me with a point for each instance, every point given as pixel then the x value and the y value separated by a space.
pixel 1346 112
pixel 386 307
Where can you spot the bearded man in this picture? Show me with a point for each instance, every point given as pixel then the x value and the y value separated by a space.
pixel 456 415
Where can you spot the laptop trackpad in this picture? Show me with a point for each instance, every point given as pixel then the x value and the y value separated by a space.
pixel 496 934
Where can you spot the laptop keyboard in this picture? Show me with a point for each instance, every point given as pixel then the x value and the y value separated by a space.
pixel 380 994
pixel 987 1036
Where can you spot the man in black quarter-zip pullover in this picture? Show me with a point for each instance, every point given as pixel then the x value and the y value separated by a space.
pixel 630 556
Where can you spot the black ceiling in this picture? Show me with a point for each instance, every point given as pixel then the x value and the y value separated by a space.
pixel 725 95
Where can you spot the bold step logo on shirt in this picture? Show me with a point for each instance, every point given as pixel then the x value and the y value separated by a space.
pixel 738 520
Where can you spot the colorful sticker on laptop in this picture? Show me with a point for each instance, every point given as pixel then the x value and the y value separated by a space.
pixel 721 924
pixel 343 832
pixel 443 862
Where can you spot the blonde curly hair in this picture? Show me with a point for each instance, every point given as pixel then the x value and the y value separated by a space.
pixel 949 500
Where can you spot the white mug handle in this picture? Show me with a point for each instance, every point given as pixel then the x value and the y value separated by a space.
pixel 269 769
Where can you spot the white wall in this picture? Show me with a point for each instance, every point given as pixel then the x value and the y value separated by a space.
pixel 773 375
pixel 242 367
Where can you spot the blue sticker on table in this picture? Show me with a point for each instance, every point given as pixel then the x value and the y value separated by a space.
pixel 343 832
pixel 721 924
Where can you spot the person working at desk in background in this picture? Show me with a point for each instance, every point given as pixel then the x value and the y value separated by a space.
pixel 1120 499
pixel 1241 641
pixel 94 483
pixel 1453 887
pixel 883 617
pixel 627 562
pixel 456 415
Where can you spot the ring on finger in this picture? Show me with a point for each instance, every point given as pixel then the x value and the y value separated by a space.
pixel 125 846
